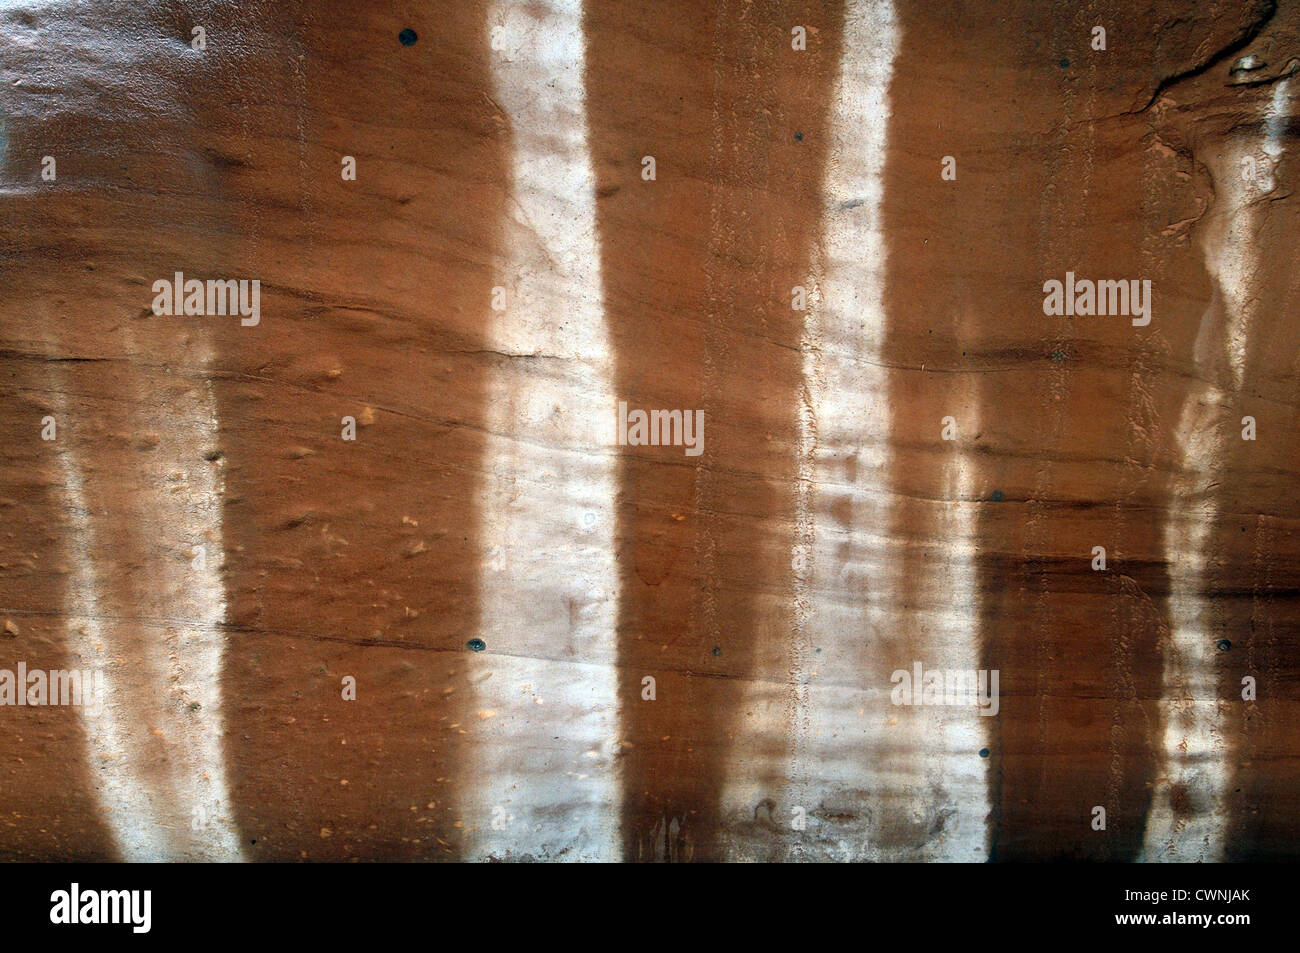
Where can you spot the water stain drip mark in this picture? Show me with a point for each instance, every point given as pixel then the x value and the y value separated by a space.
pixel 553 422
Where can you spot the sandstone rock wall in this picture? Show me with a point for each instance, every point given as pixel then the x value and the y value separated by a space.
pixel 372 576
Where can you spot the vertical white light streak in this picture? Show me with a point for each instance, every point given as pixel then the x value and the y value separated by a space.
pixel 545 738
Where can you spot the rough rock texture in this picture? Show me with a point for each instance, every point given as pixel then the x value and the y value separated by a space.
pixel 500 577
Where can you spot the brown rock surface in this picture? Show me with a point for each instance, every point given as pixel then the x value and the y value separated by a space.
pixel 497 277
